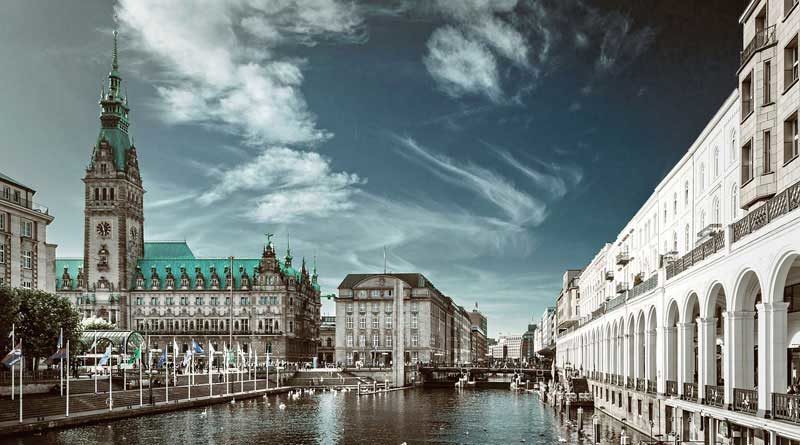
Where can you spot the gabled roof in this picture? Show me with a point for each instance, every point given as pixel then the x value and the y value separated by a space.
pixel 167 249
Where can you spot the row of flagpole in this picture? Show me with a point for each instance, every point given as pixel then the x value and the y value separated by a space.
pixel 62 354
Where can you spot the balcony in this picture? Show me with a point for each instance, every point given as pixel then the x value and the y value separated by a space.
pixel 622 288
pixel 645 286
pixel 690 392
pixel 623 258
pixel 609 275
pixel 777 206
pixel 745 400
pixel 698 254
pixel 709 230
pixel 641 385
pixel 672 388
pixel 715 396
pixel 762 39
pixel 651 387
pixel 629 383
pixel 786 407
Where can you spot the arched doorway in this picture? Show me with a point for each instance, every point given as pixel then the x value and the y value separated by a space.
pixel 742 325
pixel 671 348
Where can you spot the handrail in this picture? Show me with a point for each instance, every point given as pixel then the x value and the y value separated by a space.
pixel 779 205
pixel 760 39
pixel 698 254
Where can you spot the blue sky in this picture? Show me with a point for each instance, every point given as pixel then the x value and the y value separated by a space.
pixel 487 144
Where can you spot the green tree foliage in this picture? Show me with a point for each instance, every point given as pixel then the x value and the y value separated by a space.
pixel 39 317
pixel 9 308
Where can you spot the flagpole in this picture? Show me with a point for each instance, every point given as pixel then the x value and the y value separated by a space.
pixel 210 381
pixel 191 365
pixel 13 345
pixel 67 409
pixel 61 365
pixel 110 385
pixel 141 400
pixel 239 366
pixel 94 374
pixel 21 367
pixel 174 361
pixel 166 371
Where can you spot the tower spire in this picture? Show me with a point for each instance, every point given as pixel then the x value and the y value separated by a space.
pixel 288 262
pixel 114 60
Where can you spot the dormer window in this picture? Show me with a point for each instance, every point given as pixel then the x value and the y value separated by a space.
pixel 103 168
pixel 170 283
pixel 140 283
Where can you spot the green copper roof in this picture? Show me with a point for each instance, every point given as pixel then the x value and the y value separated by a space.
pixel 205 265
pixel 119 141
pixel 167 249
pixel 72 265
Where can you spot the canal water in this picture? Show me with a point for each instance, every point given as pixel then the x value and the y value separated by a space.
pixel 415 416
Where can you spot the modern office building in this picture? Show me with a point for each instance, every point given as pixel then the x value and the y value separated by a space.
pixel 326 350
pixel 26 259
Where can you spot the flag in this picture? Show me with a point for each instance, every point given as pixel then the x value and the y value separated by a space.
pixel 60 354
pixel 211 350
pixel 187 357
pixel 174 348
pixel 196 347
pixel 163 359
pixel 60 343
pixel 13 356
pixel 105 357
pixel 137 355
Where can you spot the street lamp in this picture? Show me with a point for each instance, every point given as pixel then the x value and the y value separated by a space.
pixel 651 430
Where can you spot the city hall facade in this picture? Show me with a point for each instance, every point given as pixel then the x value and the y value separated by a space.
pixel 162 288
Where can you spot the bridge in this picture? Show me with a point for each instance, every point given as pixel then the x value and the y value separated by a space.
pixel 482 376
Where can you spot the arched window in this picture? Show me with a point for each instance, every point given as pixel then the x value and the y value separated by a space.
pixel 716 162
pixel 665 213
pixel 675 241
pixel 105 193
pixel 111 193
pixel 702 181
pixel 733 147
pixel 688 236
pixel 674 203
pixel 686 193
pixel 734 202
pixel 715 214
pixel 97 194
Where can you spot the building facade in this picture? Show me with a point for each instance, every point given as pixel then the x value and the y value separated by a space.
pixel 545 339
pixel 431 328
pixel 568 301
pixel 479 330
pixel 326 350
pixel 26 259
pixel 508 347
pixel 162 288
pixel 701 334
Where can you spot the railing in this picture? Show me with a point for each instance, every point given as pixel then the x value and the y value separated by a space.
pixel 609 275
pixel 761 39
pixel 645 286
pixel 615 303
pixel 622 288
pixel 715 396
pixel 651 387
pixel 641 385
pixel 623 258
pixel 629 382
pixel 672 388
pixel 690 392
pixel 777 206
pixel 745 400
pixel 786 407
pixel 698 254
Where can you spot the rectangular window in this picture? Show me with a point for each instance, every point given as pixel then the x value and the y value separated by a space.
pixel 26 284
pixel 244 301
pixel 747 162
pixel 414 321
pixel 139 301
pixel 2 253
pixel 767 152
pixel 349 340
pixel 375 293
pixel 2 222
pixel 791 138
pixel 362 340
pixel 747 95
pixel 414 340
pixel 17 196
pixel 26 261
pixel 767 82
pixel 349 308
pixel 349 322
pixel 375 340
pixel 6 193
pixel 362 322
pixel 388 322
pixel 376 307
pixel 376 321
pixel 198 301
pixel 26 228
pixel 388 338
pixel 362 307
pixel 790 64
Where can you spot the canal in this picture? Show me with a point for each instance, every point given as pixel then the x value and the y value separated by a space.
pixel 413 416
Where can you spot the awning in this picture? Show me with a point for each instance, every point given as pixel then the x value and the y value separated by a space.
pixel 121 341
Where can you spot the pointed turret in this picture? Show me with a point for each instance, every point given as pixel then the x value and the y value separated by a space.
pixel 114 110
pixel 288 260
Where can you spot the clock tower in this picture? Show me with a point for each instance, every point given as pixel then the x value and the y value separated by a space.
pixel 113 216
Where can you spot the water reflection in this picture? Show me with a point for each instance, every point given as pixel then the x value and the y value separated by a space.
pixel 413 416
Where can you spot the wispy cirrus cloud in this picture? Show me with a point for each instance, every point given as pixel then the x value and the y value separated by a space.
pixel 520 208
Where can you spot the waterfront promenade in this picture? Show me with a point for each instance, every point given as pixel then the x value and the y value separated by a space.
pixel 45 411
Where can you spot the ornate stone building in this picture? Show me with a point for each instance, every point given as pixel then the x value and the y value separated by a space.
pixel 162 288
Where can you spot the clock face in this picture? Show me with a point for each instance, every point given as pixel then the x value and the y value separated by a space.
pixel 104 229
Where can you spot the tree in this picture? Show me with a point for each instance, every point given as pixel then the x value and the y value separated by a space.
pixel 9 307
pixel 40 318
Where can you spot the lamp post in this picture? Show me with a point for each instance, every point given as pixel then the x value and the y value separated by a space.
pixel 651 431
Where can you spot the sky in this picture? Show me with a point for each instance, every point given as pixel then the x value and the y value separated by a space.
pixel 488 144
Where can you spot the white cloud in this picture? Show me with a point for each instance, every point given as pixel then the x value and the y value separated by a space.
pixel 215 75
pixel 461 64
pixel 521 208
pixel 288 183
pixel 553 178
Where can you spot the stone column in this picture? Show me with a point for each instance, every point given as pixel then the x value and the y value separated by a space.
pixel 399 340
pixel 772 358
pixel 651 355
pixel 685 354
pixel 670 367
pixel 625 357
pixel 707 360
pixel 739 343
pixel 639 356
